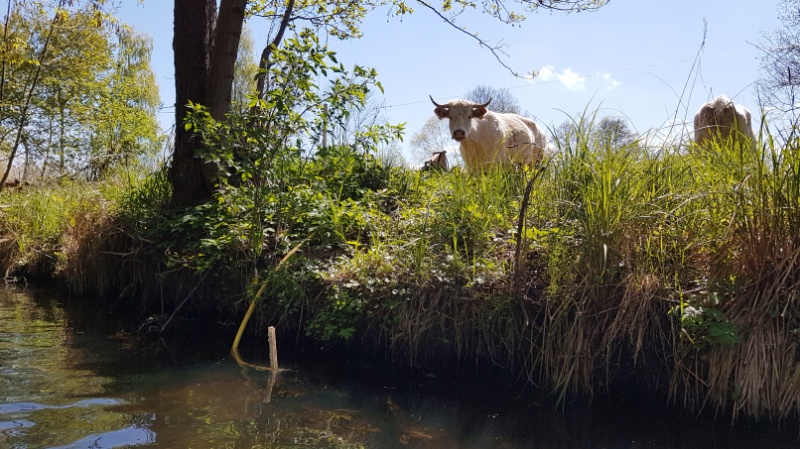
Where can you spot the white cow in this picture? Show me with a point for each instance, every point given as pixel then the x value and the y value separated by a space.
pixel 721 119
pixel 488 137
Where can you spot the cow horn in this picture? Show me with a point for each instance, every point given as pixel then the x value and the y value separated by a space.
pixel 482 105
pixel 437 104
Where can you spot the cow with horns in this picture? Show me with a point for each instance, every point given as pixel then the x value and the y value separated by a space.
pixel 489 138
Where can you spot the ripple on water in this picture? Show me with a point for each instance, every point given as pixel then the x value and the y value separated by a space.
pixel 130 436
pixel 17 407
pixel 8 427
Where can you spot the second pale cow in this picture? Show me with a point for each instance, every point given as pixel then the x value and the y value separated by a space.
pixel 721 119
pixel 437 162
pixel 488 138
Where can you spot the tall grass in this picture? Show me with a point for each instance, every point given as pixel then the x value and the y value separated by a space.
pixel 52 229
pixel 753 282
pixel 674 270
pixel 34 218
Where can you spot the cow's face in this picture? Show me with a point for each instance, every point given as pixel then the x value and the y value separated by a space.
pixel 460 113
pixel 721 116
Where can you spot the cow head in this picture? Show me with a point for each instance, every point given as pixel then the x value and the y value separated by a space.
pixel 460 113
pixel 721 116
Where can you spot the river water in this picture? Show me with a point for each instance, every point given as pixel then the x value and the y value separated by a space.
pixel 65 385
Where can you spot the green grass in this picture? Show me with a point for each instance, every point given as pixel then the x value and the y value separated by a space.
pixel 53 227
pixel 675 261
pixel 675 268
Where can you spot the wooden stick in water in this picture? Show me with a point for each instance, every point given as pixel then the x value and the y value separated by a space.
pixel 273 350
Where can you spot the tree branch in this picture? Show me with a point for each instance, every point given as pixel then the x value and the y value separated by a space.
pixel 495 50
pixel 7 51
pixel 263 64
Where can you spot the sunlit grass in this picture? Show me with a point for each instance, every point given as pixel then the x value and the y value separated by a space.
pixel 674 266
pixel 640 261
pixel 39 222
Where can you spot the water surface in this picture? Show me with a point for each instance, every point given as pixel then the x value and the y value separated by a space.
pixel 65 385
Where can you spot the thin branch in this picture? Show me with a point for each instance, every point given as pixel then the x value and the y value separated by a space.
pixel 175 312
pixel 523 208
pixel 7 51
pixel 495 50
pixel 549 4
pixel 263 64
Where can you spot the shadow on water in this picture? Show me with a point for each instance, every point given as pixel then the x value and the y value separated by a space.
pixel 64 385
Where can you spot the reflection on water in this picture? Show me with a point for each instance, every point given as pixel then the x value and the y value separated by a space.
pixel 65 387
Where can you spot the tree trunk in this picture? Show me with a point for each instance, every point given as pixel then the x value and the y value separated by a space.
pixel 205 55
pixel 223 56
pixel 192 180
pixel 61 138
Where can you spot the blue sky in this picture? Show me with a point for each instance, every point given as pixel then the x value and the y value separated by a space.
pixel 632 58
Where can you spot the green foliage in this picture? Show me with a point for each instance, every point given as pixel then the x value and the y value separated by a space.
pixel 707 325
pixel 144 200
pixel 41 221
pixel 83 87
pixel 124 120
pixel 244 72
pixel 338 317
pixel 279 185
pixel 444 228
pixel 340 18
pixel 293 286
pixel 505 11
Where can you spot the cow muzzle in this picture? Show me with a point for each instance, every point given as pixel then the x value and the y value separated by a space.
pixel 459 135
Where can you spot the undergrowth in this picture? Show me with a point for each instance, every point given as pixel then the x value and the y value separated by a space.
pixel 675 269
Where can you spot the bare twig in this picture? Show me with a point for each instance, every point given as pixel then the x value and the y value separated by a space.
pixel 175 312
pixel 494 49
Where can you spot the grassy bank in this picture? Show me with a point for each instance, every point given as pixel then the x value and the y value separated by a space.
pixel 673 272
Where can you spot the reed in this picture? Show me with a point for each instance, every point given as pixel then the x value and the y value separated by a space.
pixel 671 269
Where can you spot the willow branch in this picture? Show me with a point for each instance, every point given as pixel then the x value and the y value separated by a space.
pixel 8 51
pixel 34 81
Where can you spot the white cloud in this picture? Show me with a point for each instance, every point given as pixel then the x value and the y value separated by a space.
pixel 611 83
pixel 546 74
pixel 567 77
pixel 574 81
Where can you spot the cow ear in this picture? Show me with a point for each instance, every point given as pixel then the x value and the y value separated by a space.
pixel 478 112
pixel 442 112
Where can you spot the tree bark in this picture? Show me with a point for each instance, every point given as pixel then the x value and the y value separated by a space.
pixel 205 54
pixel 191 178
pixel 223 56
